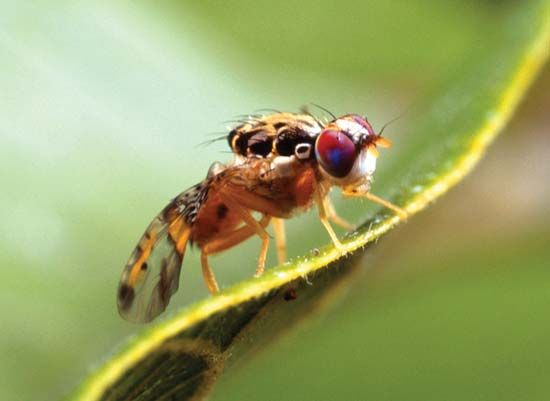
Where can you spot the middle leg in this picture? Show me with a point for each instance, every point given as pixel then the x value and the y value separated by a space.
pixel 280 239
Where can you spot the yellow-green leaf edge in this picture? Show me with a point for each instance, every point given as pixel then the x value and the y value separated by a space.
pixel 533 60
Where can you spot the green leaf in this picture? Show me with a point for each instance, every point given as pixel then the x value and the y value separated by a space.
pixel 181 358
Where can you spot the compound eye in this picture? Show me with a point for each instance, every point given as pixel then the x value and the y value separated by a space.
pixel 336 152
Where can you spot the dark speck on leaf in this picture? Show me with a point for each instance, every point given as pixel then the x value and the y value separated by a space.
pixel 290 294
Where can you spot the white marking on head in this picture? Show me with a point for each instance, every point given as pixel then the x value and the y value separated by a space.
pixel 313 131
pixel 363 169
pixel 366 163
pixel 351 127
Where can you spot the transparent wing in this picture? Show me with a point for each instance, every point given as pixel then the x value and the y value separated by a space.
pixel 151 275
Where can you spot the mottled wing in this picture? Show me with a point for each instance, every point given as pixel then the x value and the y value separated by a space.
pixel 151 275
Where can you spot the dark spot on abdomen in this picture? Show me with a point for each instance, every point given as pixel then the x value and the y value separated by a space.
pixel 221 212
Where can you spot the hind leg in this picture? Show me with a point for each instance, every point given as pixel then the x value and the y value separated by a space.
pixel 222 243
pixel 247 217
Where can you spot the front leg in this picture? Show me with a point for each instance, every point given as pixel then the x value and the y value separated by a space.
pixel 323 216
pixel 376 199
pixel 280 239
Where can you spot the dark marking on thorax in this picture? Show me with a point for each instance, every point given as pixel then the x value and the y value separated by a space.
pixel 275 135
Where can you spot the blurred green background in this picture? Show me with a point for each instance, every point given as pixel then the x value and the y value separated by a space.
pixel 102 110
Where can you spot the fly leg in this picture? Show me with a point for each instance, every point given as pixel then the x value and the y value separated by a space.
pixel 247 217
pixel 376 199
pixel 323 216
pixel 222 243
pixel 280 239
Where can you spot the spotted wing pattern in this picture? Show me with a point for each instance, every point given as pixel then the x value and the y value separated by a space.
pixel 151 275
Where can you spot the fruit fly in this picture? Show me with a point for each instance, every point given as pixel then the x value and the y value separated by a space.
pixel 284 163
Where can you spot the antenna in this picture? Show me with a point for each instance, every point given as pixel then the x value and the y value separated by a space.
pixel 325 110
pixel 394 120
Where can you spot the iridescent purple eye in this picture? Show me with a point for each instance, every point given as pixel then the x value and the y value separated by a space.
pixel 336 152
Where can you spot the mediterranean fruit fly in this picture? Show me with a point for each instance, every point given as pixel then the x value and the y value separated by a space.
pixel 284 163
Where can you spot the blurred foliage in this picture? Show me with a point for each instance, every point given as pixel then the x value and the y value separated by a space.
pixel 102 104
pixel 350 39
